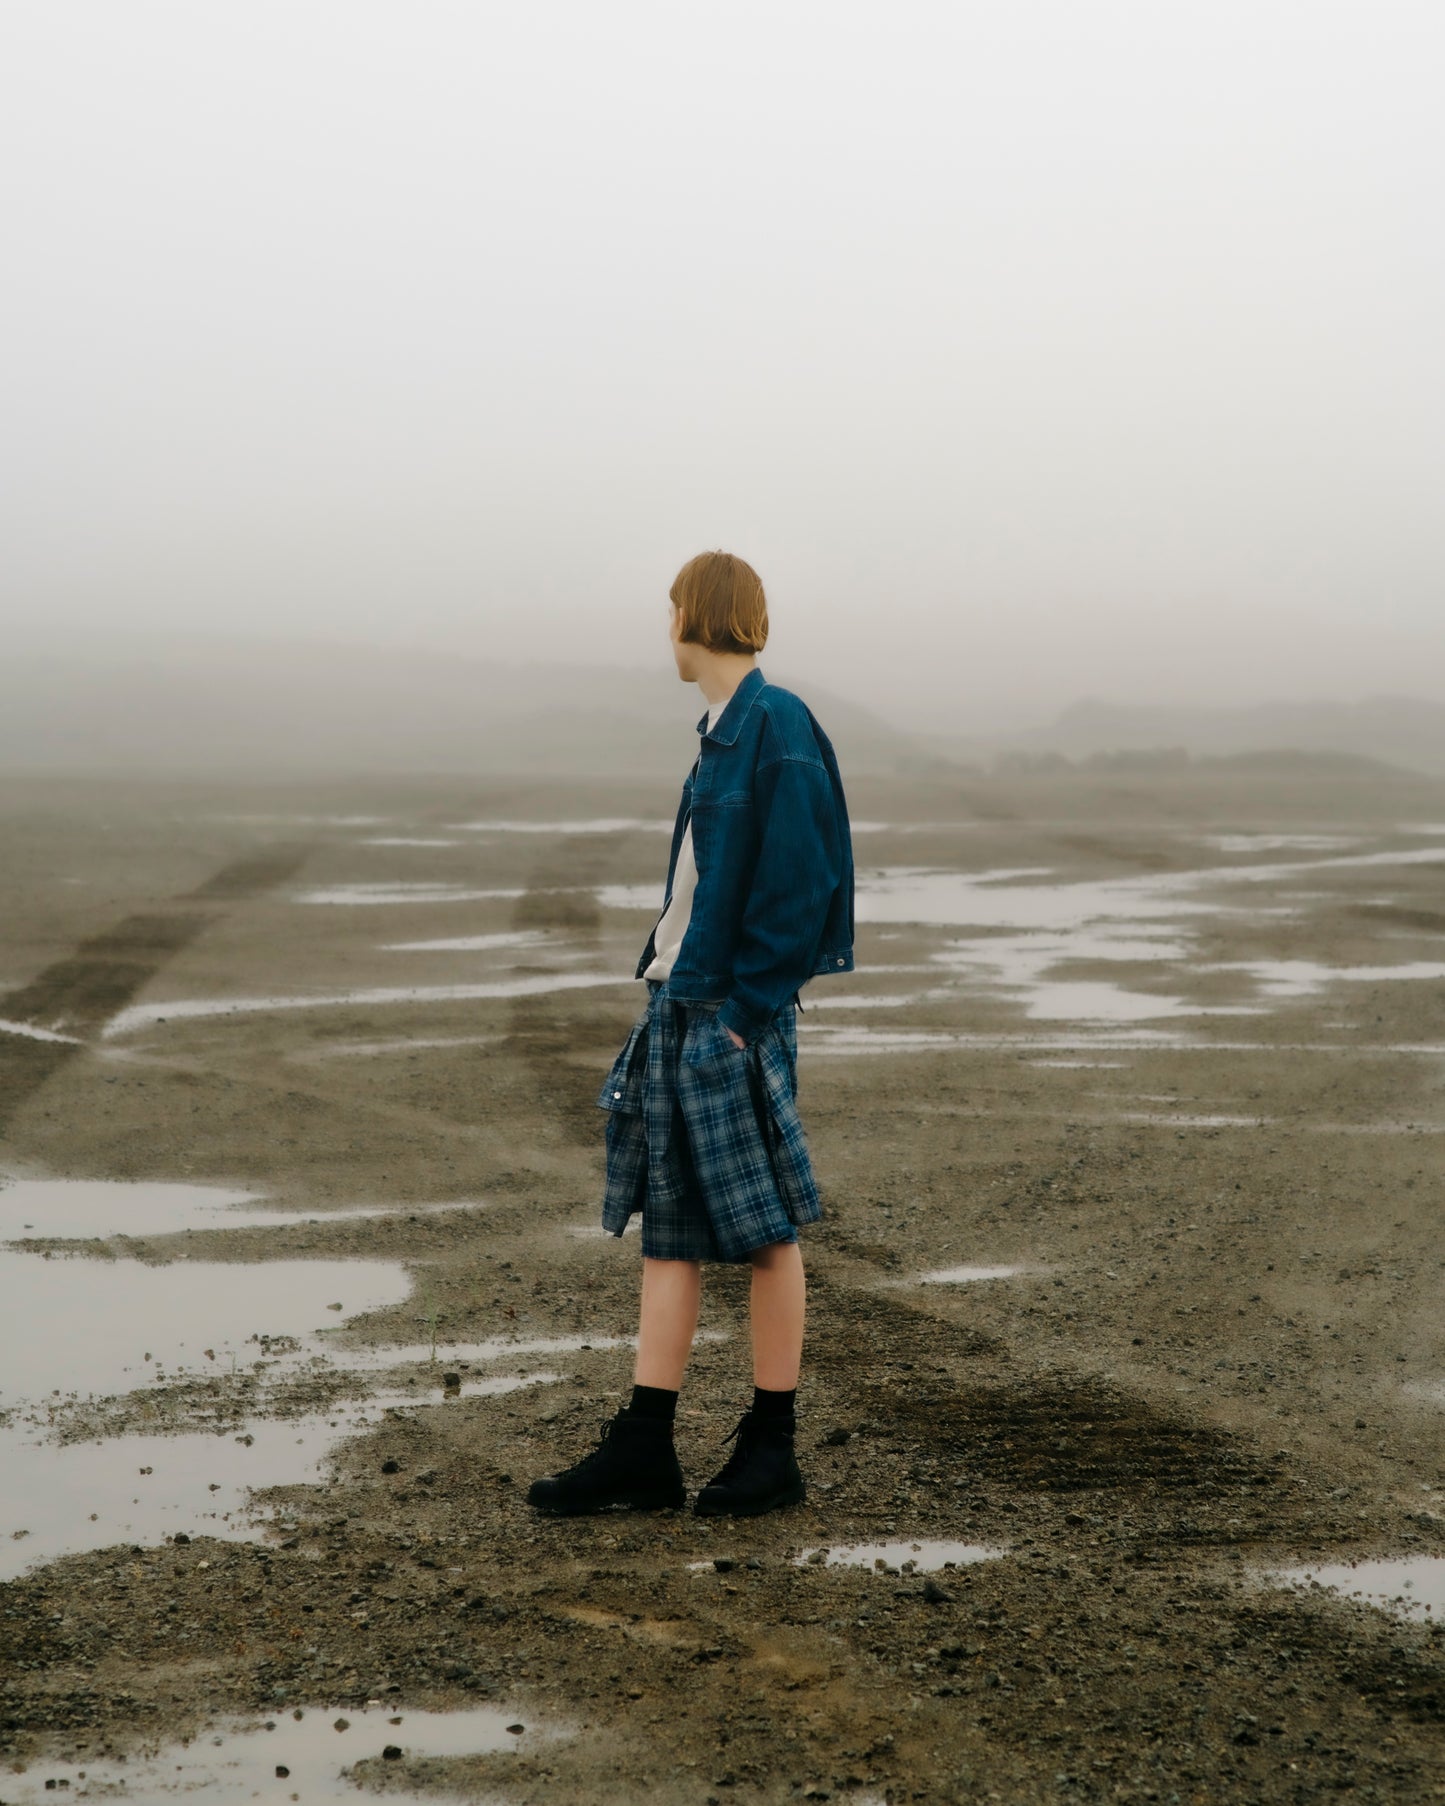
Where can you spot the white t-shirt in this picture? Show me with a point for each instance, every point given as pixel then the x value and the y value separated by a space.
pixel 667 938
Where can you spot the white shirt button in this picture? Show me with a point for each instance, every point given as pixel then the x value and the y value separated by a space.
pixel 840 962
pixel 617 1094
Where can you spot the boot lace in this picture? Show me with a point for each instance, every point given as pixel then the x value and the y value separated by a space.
pixel 746 1431
pixel 589 1462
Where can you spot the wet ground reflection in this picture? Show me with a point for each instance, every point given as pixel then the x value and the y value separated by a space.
pixel 70 1209
pixel 924 1557
pixel 299 1754
pixel 1413 1587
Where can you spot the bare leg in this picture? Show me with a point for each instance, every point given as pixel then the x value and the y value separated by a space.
pixel 779 1298
pixel 671 1294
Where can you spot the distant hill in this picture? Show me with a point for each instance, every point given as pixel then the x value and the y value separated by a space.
pixel 1395 730
pixel 251 708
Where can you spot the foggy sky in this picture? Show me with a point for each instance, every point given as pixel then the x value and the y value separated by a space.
pixel 1029 350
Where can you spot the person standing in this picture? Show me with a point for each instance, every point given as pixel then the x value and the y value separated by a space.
pixel 703 1133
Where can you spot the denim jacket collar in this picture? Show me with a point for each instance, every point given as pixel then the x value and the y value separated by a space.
pixel 735 710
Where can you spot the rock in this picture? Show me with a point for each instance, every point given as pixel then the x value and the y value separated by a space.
pixel 724 1564
pixel 391 1467
pixel 935 1594
pixel 392 1753
pixel 282 1771
pixel 516 1730
pixel 342 1724
pixel 836 1438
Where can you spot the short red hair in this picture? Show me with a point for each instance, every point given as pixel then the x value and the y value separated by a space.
pixel 721 601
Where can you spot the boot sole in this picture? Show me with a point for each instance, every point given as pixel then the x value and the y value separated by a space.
pixel 792 1495
pixel 632 1502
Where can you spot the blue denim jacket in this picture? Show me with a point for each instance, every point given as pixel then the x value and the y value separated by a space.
pixel 773 905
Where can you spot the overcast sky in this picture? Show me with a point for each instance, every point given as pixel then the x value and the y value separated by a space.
pixel 1028 349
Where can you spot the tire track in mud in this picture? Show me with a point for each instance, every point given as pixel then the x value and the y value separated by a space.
pixel 79 994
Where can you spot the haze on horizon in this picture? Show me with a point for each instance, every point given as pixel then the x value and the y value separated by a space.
pixel 1028 351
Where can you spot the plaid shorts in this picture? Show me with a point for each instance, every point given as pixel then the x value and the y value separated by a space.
pixel 704 1137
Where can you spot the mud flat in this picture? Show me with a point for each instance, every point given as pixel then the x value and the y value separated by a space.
pixel 1125 1349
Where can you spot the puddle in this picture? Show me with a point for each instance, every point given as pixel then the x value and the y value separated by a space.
pixel 860 1000
pixel 1080 1065
pixel 1413 1588
pixel 320 821
pixel 603 824
pixel 904 1557
pixel 1195 1122
pixel 32 1033
pixel 406 840
pixel 61 1498
pixel 100 1327
pixel 1277 843
pixel 1017 966
pixel 1305 978
pixel 1146 919
pixel 962 1275
pixel 139 1488
pixel 82 1209
pixel 334 1050
pixel 362 894
pixel 472 943
pixel 236 1759
pixel 58 1499
pixel 144 1014
pixel 821 1039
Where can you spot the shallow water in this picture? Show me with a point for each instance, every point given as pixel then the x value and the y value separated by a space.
pixel 1306 978
pixel 922 1557
pixel 360 895
pixel 1018 967
pixel 188 1008
pixel 333 1050
pixel 1276 843
pixel 602 824
pixel 472 943
pixel 101 1327
pixel 82 1209
pixel 233 1759
pixel 1178 1121
pixel 1412 1588
pixel 29 1032
pixel 406 840
pixel 60 1498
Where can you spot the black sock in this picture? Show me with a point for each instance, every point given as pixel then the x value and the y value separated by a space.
pixel 652 1401
pixel 773 1404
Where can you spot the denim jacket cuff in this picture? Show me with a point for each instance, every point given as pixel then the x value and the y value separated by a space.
pixel 742 1022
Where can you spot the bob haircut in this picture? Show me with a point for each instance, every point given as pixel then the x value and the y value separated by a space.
pixel 721 601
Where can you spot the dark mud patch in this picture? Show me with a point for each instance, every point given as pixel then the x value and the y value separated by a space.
pixel 78 994
pixel 1430 921
pixel 574 911
pixel 1323 1637
pixel 253 875
pixel 1060 1435
pixel 897 1336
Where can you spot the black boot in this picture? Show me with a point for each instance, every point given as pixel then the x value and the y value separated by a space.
pixel 761 1473
pixel 634 1467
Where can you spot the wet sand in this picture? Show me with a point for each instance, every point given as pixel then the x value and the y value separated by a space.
pixel 1154 1065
